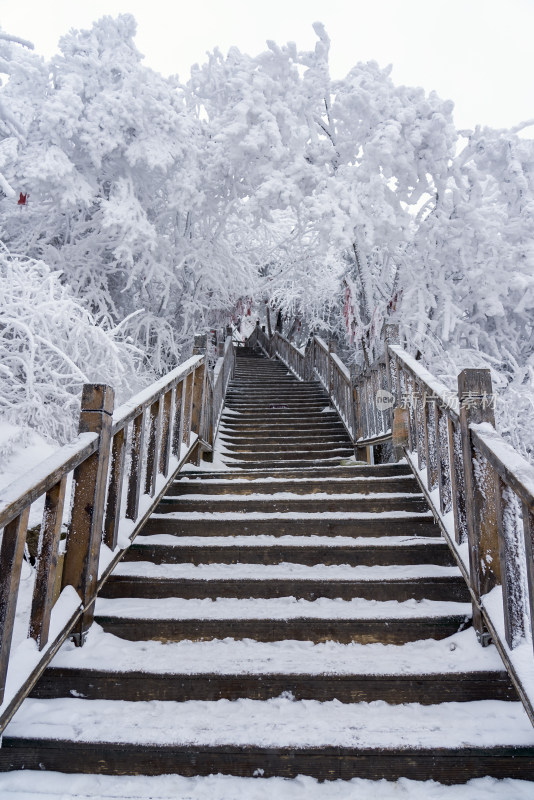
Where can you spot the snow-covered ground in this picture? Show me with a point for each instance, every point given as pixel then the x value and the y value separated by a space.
pixel 27 785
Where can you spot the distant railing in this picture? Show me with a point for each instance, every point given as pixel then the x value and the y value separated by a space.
pixel 479 488
pixel 117 469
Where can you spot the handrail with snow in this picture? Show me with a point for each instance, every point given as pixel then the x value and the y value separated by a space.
pixel 479 488
pixel 116 470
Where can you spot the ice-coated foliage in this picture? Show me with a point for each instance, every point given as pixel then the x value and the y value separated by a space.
pixel 167 207
pixel 50 346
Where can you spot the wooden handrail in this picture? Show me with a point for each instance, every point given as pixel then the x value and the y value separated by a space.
pixel 479 488
pixel 133 451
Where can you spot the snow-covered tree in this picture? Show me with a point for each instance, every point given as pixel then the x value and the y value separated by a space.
pixel 341 203
pixel 50 346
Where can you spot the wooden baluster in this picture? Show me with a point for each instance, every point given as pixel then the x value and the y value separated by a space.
pixel 443 459
pixel 396 371
pixel 329 383
pixel 391 337
pixel 384 385
pixel 509 522
pixel 459 500
pixel 212 408
pixel 188 407
pixel 84 536
pixel 178 425
pixel 113 505
pixel 419 418
pixel 198 396
pixel 474 385
pixel 166 433
pixel 136 467
pixel 152 450
pixel 47 562
pixel 431 443
pixel 528 533
pixel 11 555
pixel 369 406
pixel 411 400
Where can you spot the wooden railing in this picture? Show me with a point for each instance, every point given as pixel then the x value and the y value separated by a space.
pixel 215 394
pixel 479 488
pixel 100 488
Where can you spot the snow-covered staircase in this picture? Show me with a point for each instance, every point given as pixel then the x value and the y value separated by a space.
pixel 288 615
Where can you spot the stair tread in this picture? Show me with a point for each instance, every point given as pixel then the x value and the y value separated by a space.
pixel 457 654
pixel 283 571
pixel 291 515
pixel 277 723
pixel 260 540
pixel 279 608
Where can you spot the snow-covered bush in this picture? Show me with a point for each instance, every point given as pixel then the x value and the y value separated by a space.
pixel 50 346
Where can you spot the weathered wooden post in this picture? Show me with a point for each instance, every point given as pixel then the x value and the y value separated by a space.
pixel 47 562
pixel 268 318
pixel 360 452
pixel 391 337
pixel 331 349
pixel 230 333
pixel 475 394
pixel 308 360
pixel 84 535
pixel 11 557
pixel 199 391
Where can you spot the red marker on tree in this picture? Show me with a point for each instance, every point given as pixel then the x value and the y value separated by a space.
pixel 22 199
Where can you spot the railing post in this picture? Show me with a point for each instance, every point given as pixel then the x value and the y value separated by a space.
pixel 85 530
pixel 199 384
pixel 360 452
pixel 475 393
pixel 331 349
pixel 308 360
pixel 11 556
pixel 391 337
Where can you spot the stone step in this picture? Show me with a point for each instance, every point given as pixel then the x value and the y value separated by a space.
pixel 297 463
pixel 234 440
pixel 98 684
pixel 361 524
pixel 234 426
pixel 338 452
pixel 289 446
pixel 305 549
pixel 356 486
pixel 284 503
pixel 360 472
pixel 428 672
pixel 157 581
pixel 450 742
pixel 277 619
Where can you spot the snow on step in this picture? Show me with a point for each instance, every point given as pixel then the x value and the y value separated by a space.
pixel 319 516
pixel 301 498
pixel 261 540
pixel 278 608
pixel 283 480
pixel 28 785
pixel 280 722
pixel 283 571
pixel 455 654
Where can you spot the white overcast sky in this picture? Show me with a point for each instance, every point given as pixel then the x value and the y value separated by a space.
pixel 479 53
